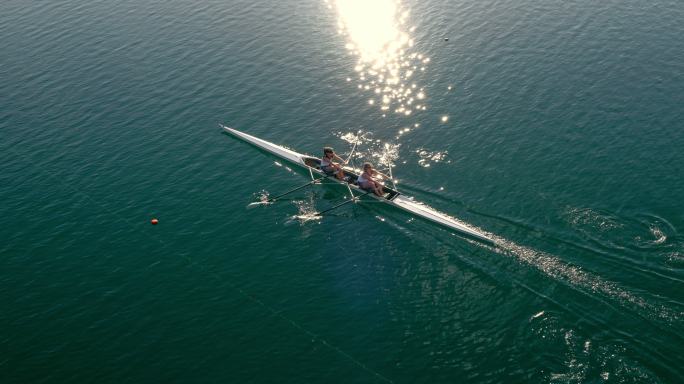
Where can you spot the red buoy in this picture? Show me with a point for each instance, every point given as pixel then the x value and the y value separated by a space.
pixel 154 221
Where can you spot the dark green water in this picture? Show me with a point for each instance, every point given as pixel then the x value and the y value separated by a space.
pixel 562 138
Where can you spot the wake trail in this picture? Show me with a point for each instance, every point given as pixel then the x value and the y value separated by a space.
pixel 585 281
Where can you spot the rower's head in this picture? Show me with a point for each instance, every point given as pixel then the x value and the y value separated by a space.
pixel 367 166
pixel 327 151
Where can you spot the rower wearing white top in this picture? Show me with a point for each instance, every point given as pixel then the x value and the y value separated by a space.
pixel 328 166
pixel 366 181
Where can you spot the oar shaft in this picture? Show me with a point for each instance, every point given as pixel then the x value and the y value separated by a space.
pixel 353 199
pixel 354 146
pixel 272 199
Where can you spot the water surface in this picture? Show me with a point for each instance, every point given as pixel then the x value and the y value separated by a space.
pixel 556 127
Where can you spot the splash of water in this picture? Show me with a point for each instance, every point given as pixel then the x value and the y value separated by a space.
pixel 426 158
pixel 387 154
pixel 383 154
pixel 352 137
pixel 262 199
pixel 306 213
pixel 658 233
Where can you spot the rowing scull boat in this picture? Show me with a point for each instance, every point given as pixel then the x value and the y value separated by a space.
pixel 391 196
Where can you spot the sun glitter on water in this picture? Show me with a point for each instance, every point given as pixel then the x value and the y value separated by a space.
pixel 378 36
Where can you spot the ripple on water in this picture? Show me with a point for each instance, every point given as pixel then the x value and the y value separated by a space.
pixel 427 157
pixel 579 358
pixel 643 230
pixel 644 233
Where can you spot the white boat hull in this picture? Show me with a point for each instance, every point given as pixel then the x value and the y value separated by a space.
pixel 395 199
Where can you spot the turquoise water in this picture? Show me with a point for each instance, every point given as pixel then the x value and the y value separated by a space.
pixel 556 127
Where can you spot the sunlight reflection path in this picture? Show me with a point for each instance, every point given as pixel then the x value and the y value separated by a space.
pixel 378 35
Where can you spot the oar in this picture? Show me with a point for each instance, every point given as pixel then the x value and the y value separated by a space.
pixel 351 153
pixel 272 199
pixel 353 199
pixel 394 185
pixel 353 147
